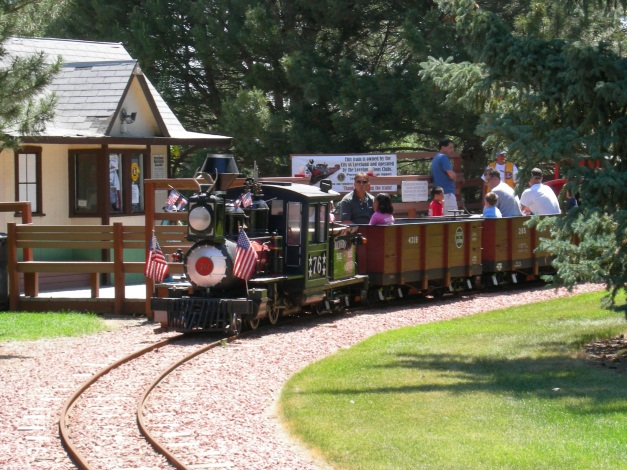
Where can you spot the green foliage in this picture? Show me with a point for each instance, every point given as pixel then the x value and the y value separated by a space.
pixel 24 111
pixel 32 17
pixel 284 78
pixel 551 98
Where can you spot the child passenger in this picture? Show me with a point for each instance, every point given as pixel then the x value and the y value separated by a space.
pixel 490 209
pixel 436 208
pixel 383 210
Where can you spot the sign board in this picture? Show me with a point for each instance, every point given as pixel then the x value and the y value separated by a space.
pixel 414 191
pixel 341 169
pixel 158 167
pixel 159 171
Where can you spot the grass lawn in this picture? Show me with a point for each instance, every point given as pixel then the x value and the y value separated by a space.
pixel 505 389
pixel 21 326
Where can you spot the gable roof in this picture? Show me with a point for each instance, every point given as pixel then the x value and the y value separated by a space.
pixel 90 89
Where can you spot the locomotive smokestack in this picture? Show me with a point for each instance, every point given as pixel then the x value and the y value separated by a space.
pixel 223 167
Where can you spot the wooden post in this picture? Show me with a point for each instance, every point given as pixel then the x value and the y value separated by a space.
pixel 94 283
pixel 118 268
pixel 149 208
pixel 14 278
pixel 31 280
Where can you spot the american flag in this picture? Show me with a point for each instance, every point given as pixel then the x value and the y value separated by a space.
pixel 181 203
pixel 173 197
pixel 247 199
pixel 176 201
pixel 245 257
pixel 156 265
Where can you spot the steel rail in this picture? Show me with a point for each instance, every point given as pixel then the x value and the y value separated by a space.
pixel 78 459
pixel 160 447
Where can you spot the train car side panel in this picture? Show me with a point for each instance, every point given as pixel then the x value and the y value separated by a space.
pixel 411 255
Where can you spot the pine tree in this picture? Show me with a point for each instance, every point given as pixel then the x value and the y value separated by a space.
pixel 554 100
pixel 24 110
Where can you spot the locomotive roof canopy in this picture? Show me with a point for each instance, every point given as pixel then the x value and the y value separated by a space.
pixel 297 192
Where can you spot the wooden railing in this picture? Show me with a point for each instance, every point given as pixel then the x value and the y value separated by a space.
pixel 113 238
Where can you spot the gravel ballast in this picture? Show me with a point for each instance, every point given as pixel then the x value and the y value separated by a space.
pixel 227 415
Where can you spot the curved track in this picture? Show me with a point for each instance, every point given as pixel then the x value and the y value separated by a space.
pixel 89 455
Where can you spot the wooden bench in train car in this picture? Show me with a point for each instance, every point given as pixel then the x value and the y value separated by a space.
pixel 421 252
pixel 509 246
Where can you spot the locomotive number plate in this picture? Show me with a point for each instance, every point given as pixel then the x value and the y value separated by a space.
pixel 317 265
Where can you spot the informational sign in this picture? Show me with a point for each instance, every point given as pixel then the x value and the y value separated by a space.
pixel 341 169
pixel 414 191
pixel 159 170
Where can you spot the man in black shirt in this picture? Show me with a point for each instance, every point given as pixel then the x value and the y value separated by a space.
pixel 358 205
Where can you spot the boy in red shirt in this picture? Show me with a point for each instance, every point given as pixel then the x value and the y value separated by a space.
pixel 436 208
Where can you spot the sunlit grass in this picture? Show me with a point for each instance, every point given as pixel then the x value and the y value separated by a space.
pixel 20 326
pixel 506 389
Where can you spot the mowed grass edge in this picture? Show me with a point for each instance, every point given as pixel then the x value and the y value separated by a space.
pixel 505 389
pixel 24 326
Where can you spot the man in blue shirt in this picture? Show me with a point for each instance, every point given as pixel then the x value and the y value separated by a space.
pixel 443 175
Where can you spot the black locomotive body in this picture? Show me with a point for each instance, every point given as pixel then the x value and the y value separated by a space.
pixel 305 262
pixel 302 262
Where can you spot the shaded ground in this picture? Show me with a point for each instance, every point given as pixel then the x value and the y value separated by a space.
pixel 610 353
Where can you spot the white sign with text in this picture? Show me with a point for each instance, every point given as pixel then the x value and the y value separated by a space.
pixel 341 169
pixel 414 191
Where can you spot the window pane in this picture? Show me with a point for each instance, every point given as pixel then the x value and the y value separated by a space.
pixel 27 168
pixel 115 187
pixel 312 224
pixel 293 223
pixel 28 192
pixel 137 183
pixel 86 199
pixel 322 220
pixel 27 179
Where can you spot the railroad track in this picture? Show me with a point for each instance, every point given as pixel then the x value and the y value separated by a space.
pixel 120 416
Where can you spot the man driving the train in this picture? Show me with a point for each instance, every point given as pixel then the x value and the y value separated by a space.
pixel 357 206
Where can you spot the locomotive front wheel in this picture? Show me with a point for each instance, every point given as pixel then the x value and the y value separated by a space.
pixel 235 328
pixel 253 324
pixel 273 315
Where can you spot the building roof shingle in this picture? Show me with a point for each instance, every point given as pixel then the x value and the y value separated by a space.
pixel 91 86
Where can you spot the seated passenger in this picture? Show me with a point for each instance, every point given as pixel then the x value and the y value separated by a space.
pixel 383 210
pixel 507 201
pixel 539 199
pixel 489 209
pixel 436 208
pixel 356 207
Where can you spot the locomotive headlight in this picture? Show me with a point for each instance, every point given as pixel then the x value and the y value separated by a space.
pixel 200 218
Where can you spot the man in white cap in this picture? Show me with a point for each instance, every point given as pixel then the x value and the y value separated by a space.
pixel 509 171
